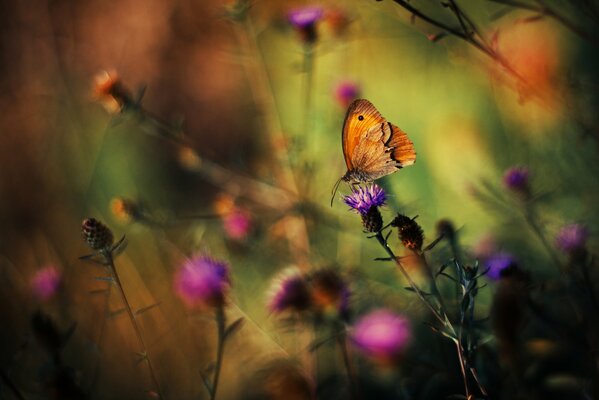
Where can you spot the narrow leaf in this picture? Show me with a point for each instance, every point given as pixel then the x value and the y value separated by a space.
pixel 234 327
pixel 116 313
pixel 146 308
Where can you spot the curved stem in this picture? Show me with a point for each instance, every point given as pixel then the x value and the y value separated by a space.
pixel 110 261
pixel 220 347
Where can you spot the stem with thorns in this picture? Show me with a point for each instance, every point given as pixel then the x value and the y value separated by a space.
pixel 110 261
pixel 220 347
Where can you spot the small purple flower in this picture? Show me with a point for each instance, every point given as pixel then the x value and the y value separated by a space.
pixel 497 263
pixel 363 199
pixel 346 92
pixel 202 281
pixel 237 225
pixel 516 179
pixel 289 291
pixel 572 238
pixel 304 20
pixel 382 334
pixel 46 282
pixel 306 16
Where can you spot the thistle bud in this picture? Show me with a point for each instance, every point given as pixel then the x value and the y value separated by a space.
pixel 372 220
pixel 409 232
pixel 97 235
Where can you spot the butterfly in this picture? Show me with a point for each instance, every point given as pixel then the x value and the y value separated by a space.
pixel 372 146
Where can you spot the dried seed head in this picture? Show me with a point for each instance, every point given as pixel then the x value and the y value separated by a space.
pixel 97 235
pixel 372 220
pixel 409 232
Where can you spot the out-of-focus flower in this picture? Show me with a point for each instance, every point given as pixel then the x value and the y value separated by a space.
pixel 410 233
pixel 46 282
pixel 110 92
pixel 498 263
pixel 446 229
pixel 224 204
pixel 289 292
pixel 237 224
pixel 366 201
pixel 517 180
pixel 329 291
pixel 382 335
pixel 97 235
pixel 280 379
pixel 304 20
pixel 125 210
pixel 485 247
pixel 346 92
pixel 338 21
pixel 189 159
pixel 202 281
pixel 572 238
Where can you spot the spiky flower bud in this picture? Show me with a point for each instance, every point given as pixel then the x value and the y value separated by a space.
pixel 409 232
pixel 97 235
pixel 372 220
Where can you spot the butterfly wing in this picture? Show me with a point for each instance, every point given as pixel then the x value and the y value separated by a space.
pixel 372 146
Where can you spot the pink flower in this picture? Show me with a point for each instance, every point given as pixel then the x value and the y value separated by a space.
pixel 346 92
pixel 237 225
pixel 46 282
pixel 202 281
pixel 382 335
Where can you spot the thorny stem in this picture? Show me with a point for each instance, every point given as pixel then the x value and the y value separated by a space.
pixel 11 385
pixel 220 347
pixel 543 9
pixel 110 261
pixel 351 373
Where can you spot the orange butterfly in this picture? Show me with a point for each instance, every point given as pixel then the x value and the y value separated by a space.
pixel 372 146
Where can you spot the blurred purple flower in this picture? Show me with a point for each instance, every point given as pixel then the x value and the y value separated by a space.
pixel 46 282
pixel 516 179
pixel 497 263
pixel 202 281
pixel 382 334
pixel 346 92
pixel 289 291
pixel 330 292
pixel 572 237
pixel 237 224
pixel 363 199
pixel 304 20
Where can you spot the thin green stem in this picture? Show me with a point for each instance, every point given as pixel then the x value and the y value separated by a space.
pixel 220 347
pixel 110 261
pixel 532 221
pixel 351 373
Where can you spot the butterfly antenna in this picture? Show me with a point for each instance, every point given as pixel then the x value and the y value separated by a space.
pixel 334 191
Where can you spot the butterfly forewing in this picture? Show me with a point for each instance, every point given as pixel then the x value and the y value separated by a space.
pixel 361 116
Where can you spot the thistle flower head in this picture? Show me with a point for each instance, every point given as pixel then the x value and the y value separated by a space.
pixel 97 235
pixel 382 335
pixel 362 199
pixel 125 210
pixel 572 238
pixel 202 281
pixel 517 179
pixel 237 224
pixel 46 282
pixel 498 264
pixel 304 21
pixel 329 291
pixel 346 92
pixel 289 292
pixel 409 232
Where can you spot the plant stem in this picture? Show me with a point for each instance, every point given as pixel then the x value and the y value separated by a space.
pixel 220 347
pixel 110 261
pixel 11 385
pixel 351 374
pixel 531 219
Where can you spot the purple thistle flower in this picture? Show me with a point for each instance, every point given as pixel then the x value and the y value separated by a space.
pixel 363 199
pixel 382 334
pixel 46 282
pixel 304 17
pixel 237 225
pixel 516 179
pixel 202 281
pixel 572 238
pixel 497 263
pixel 289 291
pixel 346 92
pixel 304 20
